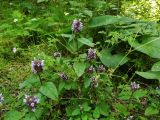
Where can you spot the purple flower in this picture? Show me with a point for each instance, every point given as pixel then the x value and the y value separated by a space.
pixel 91 69
pixel 77 25
pixel 91 54
pixel 1 98
pixel 64 76
pixel 31 101
pixel 37 66
pixel 94 82
pixel 134 86
pixel 57 54
pixel 101 68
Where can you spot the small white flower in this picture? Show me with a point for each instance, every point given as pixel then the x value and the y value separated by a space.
pixel 1 98
pixel 14 50
pixel 15 20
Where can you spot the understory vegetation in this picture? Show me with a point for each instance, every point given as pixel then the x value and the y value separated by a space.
pixel 79 60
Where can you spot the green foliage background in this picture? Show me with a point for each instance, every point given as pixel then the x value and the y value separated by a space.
pixel 125 35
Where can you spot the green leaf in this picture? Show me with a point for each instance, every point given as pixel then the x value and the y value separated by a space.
pixel 49 90
pixel 108 20
pixel 151 111
pixel 29 81
pixel 13 115
pixel 86 42
pixel 140 93
pixel 122 109
pixel 104 109
pixel 150 74
pixel 30 116
pixel 76 112
pixel 110 60
pixel 79 68
pixel 87 82
pixel 149 46
pixel 156 66
pixel 96 112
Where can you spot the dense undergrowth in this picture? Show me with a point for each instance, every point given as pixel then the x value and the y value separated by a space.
pixel 69 60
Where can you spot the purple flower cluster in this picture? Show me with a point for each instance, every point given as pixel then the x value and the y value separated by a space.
pixel 134 86
pixel 91 54
pixel 94 82
pixel 77 25
pixel 101 68
pixel 37 66
pixel 31 101
pixel 91 69
pixel 1 98
pixel 64 76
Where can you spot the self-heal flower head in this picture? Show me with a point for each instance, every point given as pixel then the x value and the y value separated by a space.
pixel 94 82
pixel 77 25
pixel 1 98
pixel 91 69
pixel 37 66
pixel 134 86
pixel 31 102
pixel 91 54
pixel 64 76
pixel 101 68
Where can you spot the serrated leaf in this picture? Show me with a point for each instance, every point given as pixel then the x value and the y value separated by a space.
pixel 86 42
pixel 151 111
pixel 49 90
pixel 149 46
pixel 79 68
pixel 110 60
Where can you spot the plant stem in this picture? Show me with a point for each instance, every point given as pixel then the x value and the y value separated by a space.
pixel 40 79
pixel 130 100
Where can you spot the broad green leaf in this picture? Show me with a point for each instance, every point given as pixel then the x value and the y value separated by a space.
pixel 110 60
pixel 49 90
pixel 13 115
pixel 156 66
pixel 96 112
pixel 140 93
pixel 150 74
pixel 122 109
pixel 149 46
pixel 86 42
pixel 104 109
pixel 151 111
pixel 108 20
pixel 124 95
pixel 79 68
pixel 76 112
pixel 29 81
pixel 30 116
